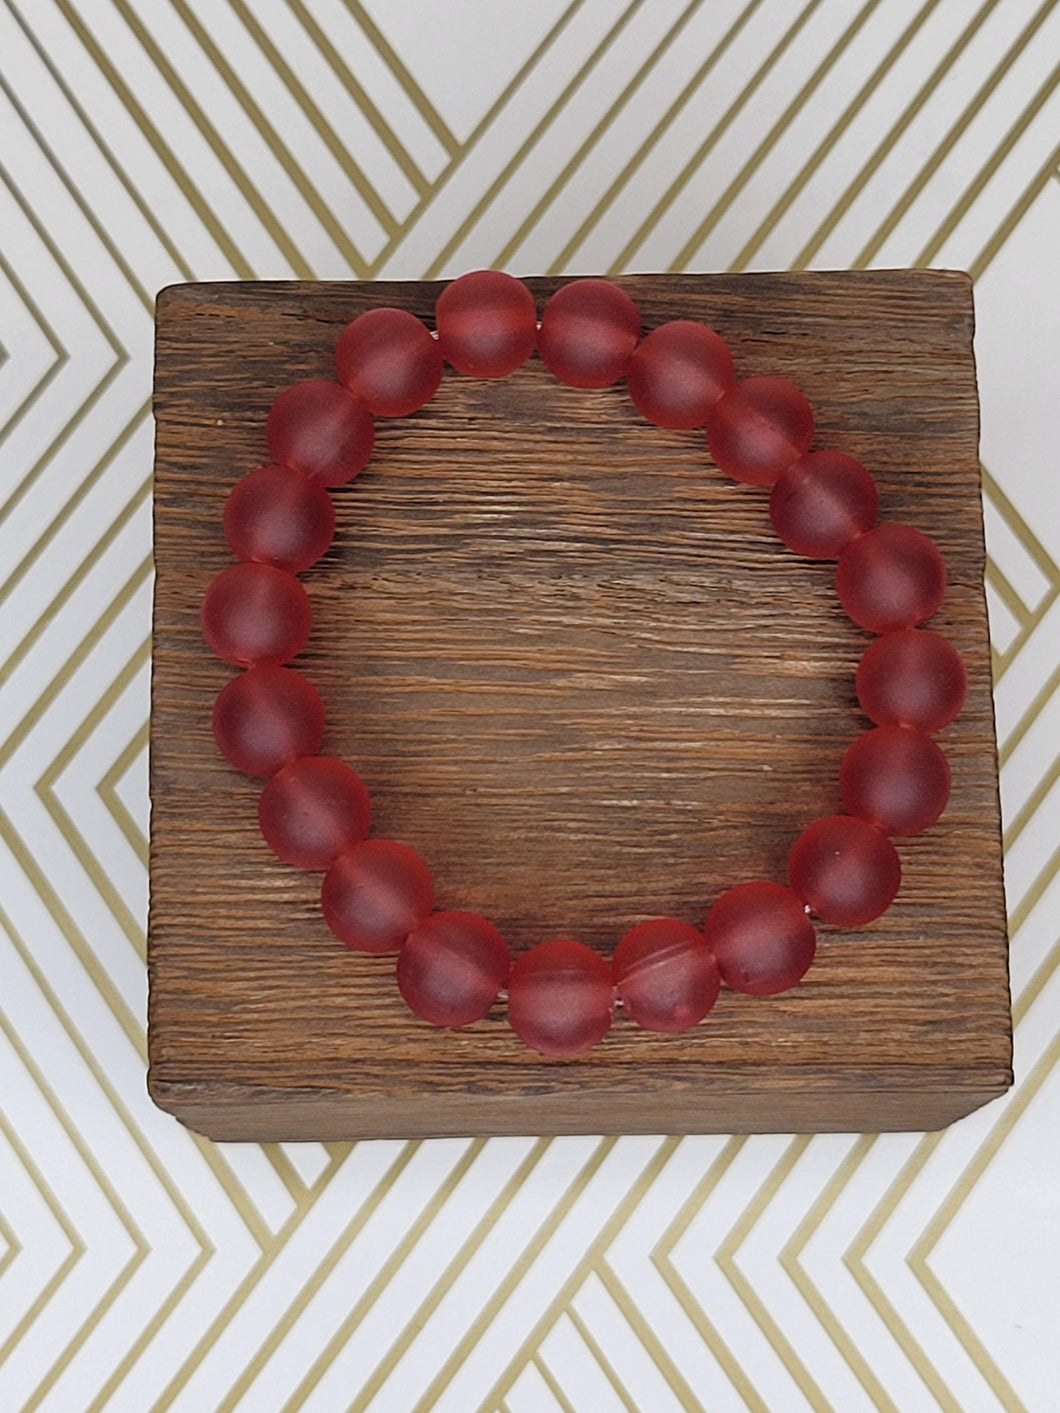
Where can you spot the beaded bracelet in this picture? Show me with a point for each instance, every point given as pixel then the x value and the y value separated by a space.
pixel 377 894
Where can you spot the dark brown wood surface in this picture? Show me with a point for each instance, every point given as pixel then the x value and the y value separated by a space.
pixel 582 678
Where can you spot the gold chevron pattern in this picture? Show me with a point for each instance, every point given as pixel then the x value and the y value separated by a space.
pixel 149 141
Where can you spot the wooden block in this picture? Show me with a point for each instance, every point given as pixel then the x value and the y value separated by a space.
pixel 582 678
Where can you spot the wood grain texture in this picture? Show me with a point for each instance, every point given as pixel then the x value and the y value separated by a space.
pixel 582 678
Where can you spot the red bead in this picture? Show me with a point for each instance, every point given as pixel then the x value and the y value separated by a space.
pixel 911 678
pixel 266 717
pixel 253 613
pixel 277 516
pixel 320 429
pixel 313 809
pixel 820 502
pixel 560 998
pixel 896 778
pixel 389 360
pixel 589 329
pixel 487 324
pixel 375 893
pixel 845 870
pixel 451 968
pixel 665 975
pixel 891 577
pixel 678 373
pixel 758 429
pixel 761 937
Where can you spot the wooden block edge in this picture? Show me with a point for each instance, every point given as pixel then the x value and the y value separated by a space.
pixel 248 1113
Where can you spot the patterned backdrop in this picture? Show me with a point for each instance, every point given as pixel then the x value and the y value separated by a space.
pixel 149 141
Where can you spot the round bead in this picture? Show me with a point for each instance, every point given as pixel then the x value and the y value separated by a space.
pixel 277 516
pixel 678 373
pixel 320 429
pixel 389 360
pixel 911 678
pixel 665 975
pixel 560 998
pixel 313 809
pixel 895 778
pixel 845 870
pixel 821 502
pixel 451 968
pixel 253 613
pixel 375 893
pixel 266 717
pixel 889 578
pixel 588 332
pixel 758 429
pixel 487 324
pixel 761 937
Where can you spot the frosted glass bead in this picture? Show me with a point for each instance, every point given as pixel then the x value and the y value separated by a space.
pixel 588 332
pixel 678 373
pixel 911 678
pixel 375 893
pixel 845 870
pixel 758 429
pixel 487 324
pixel 665 975
pixel 313 809
pixel 266 717
pixel 253 613
pixel 320 429
pixel 278 516
pixel 889 578
pixel 451 968
pixel 389 361
pixel 821 502
pixel 896 778
pixel 560 998
pixel 761 938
